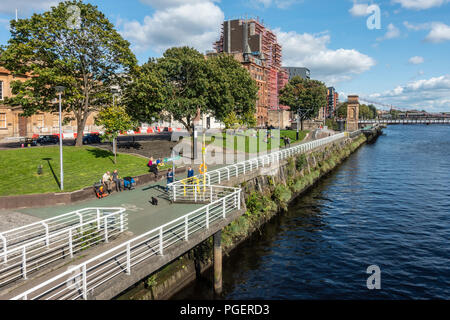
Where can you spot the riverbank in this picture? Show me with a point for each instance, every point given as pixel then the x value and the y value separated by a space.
pixel 265 196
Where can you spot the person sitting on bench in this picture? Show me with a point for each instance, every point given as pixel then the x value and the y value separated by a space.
pixel 106 180
pixel 117 181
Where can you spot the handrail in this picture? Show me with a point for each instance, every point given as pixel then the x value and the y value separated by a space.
pixel 33 234
pixel 128 246
pixel 44 250
pixel 275 155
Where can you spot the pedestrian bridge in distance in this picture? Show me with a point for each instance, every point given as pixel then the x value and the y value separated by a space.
pixel 407 121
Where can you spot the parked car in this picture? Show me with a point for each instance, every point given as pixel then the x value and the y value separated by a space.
pixel 47 139
pixel 91 138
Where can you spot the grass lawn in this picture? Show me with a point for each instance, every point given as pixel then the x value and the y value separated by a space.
pixel 251 143
pixel 82 168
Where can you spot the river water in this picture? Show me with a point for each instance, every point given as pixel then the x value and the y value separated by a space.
pixel 387 205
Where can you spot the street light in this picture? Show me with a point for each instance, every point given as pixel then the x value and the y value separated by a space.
pixel 60 90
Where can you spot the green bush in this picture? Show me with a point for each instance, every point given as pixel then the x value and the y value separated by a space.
pixel 282 194
pixel 300 162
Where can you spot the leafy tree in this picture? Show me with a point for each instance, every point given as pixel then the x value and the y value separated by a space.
pixel 341 110
pixel 114 119
pixel 231 91
pixel 72 45
pixel 304 96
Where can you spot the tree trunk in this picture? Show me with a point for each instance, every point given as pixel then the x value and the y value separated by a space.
pixel 301 124
pixel 81 123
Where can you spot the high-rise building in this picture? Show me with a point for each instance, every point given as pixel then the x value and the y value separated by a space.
pixel 260 52
pixel 332 102
pixel 303 73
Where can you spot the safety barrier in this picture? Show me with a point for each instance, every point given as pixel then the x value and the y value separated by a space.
pixel 77 282
pixel 54 239
pixel 226 173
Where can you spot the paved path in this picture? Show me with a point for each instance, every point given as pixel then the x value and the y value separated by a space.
pixel 142 215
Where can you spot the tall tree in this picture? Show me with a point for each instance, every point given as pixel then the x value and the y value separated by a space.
pixel 232 92
pixel 304 97
pixel 72 45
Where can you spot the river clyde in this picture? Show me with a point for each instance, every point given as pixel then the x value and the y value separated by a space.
pixel 388 205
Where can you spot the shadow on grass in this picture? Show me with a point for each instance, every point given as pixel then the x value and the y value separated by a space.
pixel 53 172
pixel 101 153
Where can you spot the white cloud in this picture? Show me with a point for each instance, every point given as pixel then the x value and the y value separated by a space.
pixel 392 33
pixel 416 60
pixel 331 66
pixel 440 32
pixel 430 94
pixel 359 9
pixel 420 4
pixel 195 23
pixel 25 6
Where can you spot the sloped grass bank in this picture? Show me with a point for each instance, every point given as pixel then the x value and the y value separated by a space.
pixel 82 167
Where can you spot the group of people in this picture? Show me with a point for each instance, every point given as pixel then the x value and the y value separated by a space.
pixel 155 165
pixel 108 179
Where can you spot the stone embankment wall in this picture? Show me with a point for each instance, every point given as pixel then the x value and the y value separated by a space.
pixel 267 192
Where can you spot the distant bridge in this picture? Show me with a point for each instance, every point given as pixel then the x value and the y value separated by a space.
pixel 407 121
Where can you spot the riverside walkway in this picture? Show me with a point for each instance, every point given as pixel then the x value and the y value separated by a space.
pixel 160 233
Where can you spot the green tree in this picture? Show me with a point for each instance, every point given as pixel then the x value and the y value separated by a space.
pixel 114 119
pixel 341 110
pixel 72 45
pixel 231 91
pixel 304 96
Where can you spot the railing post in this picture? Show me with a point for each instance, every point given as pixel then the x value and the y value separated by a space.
pixel 81 221
pixel 24 263
pixel 228 170
pixel 237 169
pixel 244 167
pixel 218 174
pixel 70 243
pixel 84 282
pixel 47 234
pixel 207 217
pixel 105 225
pixel 98 219
pixel 174 187
pixel 239 200
pixel 121 222
pixel 223 206
pixel 211 193
pixel 186 228
pixel 128 258
pixel 5 249
pixel 161 252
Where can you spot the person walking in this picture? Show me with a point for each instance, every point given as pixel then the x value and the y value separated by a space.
pixel 169 176
pixel 190 172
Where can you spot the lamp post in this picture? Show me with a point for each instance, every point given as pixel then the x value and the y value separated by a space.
pixel 60 90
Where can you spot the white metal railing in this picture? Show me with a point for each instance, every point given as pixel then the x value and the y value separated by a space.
pixel 78 281
pixel 226 173
pixel 64 240
pixel 41 229
pixel 198 192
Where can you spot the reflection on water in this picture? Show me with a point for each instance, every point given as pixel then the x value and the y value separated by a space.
pixel 387 205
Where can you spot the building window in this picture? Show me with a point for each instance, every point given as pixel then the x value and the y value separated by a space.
pixel 40 120
pixel 1 90
pixel 3 121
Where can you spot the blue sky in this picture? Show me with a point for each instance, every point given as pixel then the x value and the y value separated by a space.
pixel 404 63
